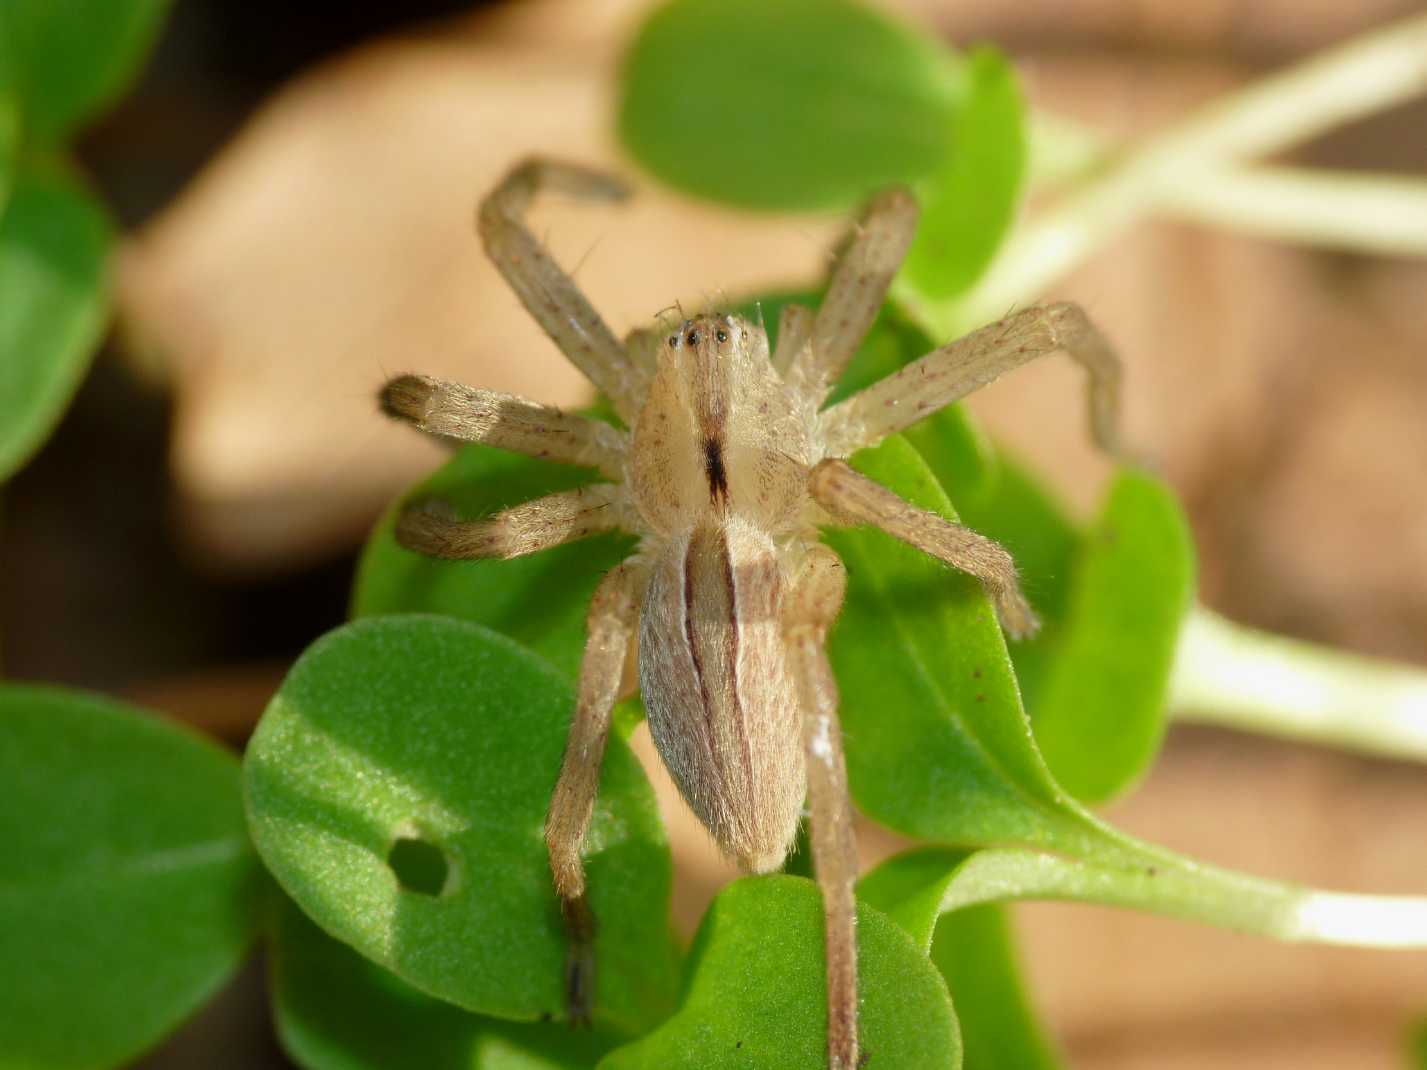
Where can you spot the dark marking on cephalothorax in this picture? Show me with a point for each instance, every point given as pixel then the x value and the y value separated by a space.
pixel 714 470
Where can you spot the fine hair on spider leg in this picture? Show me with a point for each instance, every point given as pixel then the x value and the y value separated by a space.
pixel 726 473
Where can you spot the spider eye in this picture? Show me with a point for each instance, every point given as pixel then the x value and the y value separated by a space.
pixel 721 335
pixel 692 338
pixel 673 341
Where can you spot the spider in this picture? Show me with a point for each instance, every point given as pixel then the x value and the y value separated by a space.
pixel 730 467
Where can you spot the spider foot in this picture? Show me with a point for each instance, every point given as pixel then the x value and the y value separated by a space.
pixel 580 960
pixel 431 528
pixel 1015 613
pixel 406 397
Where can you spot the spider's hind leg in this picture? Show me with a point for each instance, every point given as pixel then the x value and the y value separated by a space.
pixel 814 604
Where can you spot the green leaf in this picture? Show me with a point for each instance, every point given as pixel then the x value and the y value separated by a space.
pixel 788 105
pixel 9 145
pixel 70 59
pixel 129 891
pixel 974 951
pixel 1019 513
pixel 540 600
pixel 1112 600
pixel 338 1011
pixel 1101 713
pixel 757 990
pixel 1417 1043
pixel 938 744
pixel 54 241
pixel 440 731
pixel 969 204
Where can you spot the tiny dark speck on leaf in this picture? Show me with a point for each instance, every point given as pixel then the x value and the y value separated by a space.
pixel 980 698
pixel 976 674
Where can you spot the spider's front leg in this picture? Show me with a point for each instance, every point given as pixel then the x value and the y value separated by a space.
pixel 460 413
pixel 854 499
pixel 814 603
pixel 613 618
pixel 855 293
pixel 545 289
pixel 959 368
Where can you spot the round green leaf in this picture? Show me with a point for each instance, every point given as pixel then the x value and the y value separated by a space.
pixel 69 59
pixel 338 1011
pixel 439 731
pixel 53 243
pixel 539 600
pixel 790 104
pixel 757 991
pixel 969 204
pixel 129 892
pixel 1100 715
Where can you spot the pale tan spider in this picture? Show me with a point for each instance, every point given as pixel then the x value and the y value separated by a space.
pixel 730 467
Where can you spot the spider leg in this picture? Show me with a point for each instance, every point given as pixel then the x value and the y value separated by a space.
pixel 642 346
pixel 814 603
pixel 959 368
pixel 454 411
pixel 855 499
pixel 856 291
pixel 795 330
pixel 428 528
pixel 612 621
pixel 547 292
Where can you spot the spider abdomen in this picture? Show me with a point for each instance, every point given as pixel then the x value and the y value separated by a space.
pixel 721 703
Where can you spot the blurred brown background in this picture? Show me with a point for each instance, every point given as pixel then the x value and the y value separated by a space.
pixel 300 181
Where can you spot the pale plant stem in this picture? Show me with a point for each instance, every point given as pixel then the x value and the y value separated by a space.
pixel 1238 677
pixel 1369 213
pixel 1356 79
pixel 1140 876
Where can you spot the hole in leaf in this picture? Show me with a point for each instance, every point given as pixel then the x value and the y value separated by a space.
pixel 420 866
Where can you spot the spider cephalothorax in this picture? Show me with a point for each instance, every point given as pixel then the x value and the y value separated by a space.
pixel 729 470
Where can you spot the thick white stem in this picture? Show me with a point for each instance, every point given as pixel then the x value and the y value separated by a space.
pixel 1369 213
pixel 1359 78
pixel 1237 677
